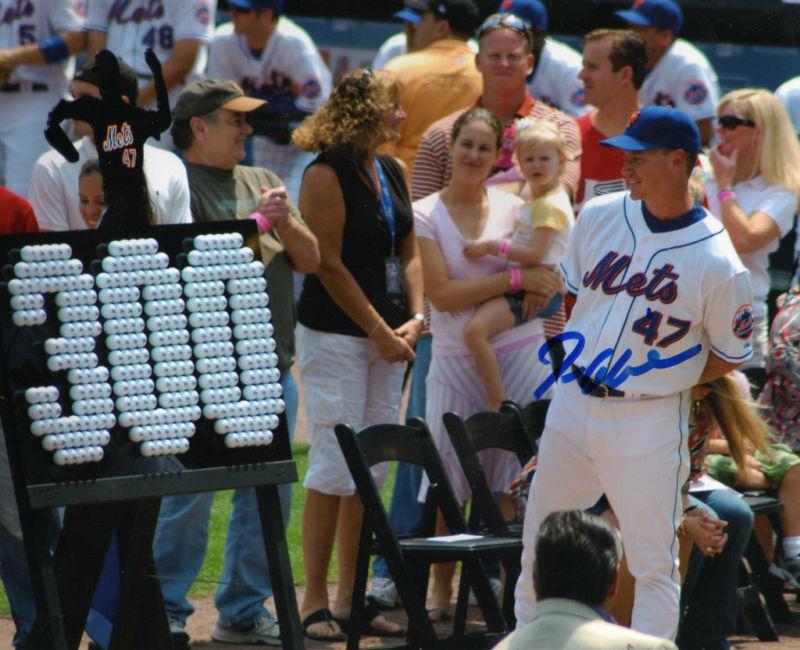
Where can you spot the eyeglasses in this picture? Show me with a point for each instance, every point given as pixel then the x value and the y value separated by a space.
pixel 496 21
pixel 730 122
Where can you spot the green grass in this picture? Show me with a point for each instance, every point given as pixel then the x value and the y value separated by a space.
pixel 210 573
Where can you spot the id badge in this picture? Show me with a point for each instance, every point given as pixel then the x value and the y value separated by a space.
pixel 394 276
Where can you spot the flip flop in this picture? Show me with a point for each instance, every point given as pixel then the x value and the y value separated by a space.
pixel 368 615
pixel 322 616
pixel 438 614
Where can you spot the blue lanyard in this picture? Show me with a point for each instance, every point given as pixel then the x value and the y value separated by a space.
pixel 387 207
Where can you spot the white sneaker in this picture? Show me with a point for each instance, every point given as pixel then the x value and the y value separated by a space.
pixel 383 593
pixel 497 587
pixel 786 568
pixel 265 631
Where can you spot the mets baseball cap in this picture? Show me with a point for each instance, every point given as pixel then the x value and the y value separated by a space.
pixel 654 127
pixel 532 12
pixel 128 81
pixel 663 14
pixel 463 15
pixel 275 5
pixel 207 95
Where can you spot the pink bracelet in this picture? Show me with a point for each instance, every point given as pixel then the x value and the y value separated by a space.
pixel 261 221
pixel 502 247
pixel 515 282
pixel 725 194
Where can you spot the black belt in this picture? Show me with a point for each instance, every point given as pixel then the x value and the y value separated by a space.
pixel 17 87
pixel 594 388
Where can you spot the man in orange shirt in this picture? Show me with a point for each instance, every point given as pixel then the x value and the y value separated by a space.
pixel 440 76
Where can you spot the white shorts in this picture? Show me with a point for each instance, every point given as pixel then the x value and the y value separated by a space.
pixel 344 380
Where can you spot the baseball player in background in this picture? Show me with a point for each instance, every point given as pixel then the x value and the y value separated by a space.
pixel 662 303
pixel 176 30
pixel 273 59
pixel 38 40
pixel 554 79
pixel 678 74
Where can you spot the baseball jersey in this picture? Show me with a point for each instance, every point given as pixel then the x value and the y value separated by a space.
pixel 683 78
pixel 289 72
pixel 555 79
pixel 601 167
pixel 33 21
pixel 395 45
pixel 54 187
pixel 780 205
pixel 654 297
pixel 132 26
pixel 789 95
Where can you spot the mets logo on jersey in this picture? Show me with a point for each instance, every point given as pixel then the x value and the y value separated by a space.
pixel 695 92
pixel 578 97
pixel 203 14
pixel 310 88
pixel 743 322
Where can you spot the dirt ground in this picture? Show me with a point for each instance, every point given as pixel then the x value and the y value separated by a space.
pixel 201 623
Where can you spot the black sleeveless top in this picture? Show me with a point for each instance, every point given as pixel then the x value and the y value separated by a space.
pixel 366 243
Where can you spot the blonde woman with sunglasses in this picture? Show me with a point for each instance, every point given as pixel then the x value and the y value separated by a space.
pixel 754 192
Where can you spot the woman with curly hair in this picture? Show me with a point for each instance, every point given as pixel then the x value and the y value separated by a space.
pixel 360 316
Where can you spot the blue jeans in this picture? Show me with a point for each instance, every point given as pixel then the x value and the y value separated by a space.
pixel 709 596
pixel 17 578
pixel 405 511
pixel 182 538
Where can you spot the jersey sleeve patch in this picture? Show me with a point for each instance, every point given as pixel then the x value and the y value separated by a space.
pixel 578 97
pixel 695 92
pixel 743 322
pixel 311 88
pixel 203 14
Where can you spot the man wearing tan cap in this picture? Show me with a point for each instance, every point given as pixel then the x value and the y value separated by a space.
pixel 210 130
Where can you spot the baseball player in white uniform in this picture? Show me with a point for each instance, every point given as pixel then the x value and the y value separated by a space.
pixel 38 40
pixel 273 59
pixel 662 303
pixel 176 30
pixel 789 95
pixel 679 74
pixel 555 74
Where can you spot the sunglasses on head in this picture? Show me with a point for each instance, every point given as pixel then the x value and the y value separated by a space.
pixel 730 122
pixel 510 21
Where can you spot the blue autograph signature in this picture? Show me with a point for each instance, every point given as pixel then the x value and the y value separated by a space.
pixel 611 377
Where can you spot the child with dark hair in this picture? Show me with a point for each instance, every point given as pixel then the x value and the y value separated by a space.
pixel 91 197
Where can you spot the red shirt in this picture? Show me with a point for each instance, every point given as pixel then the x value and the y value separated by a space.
pixel 17 214
pixel 600 166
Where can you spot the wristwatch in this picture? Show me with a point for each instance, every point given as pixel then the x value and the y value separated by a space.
pixel 419 317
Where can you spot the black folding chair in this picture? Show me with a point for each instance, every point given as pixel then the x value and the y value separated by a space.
pixel 754 576
pixel 409 559
pixel 504 429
